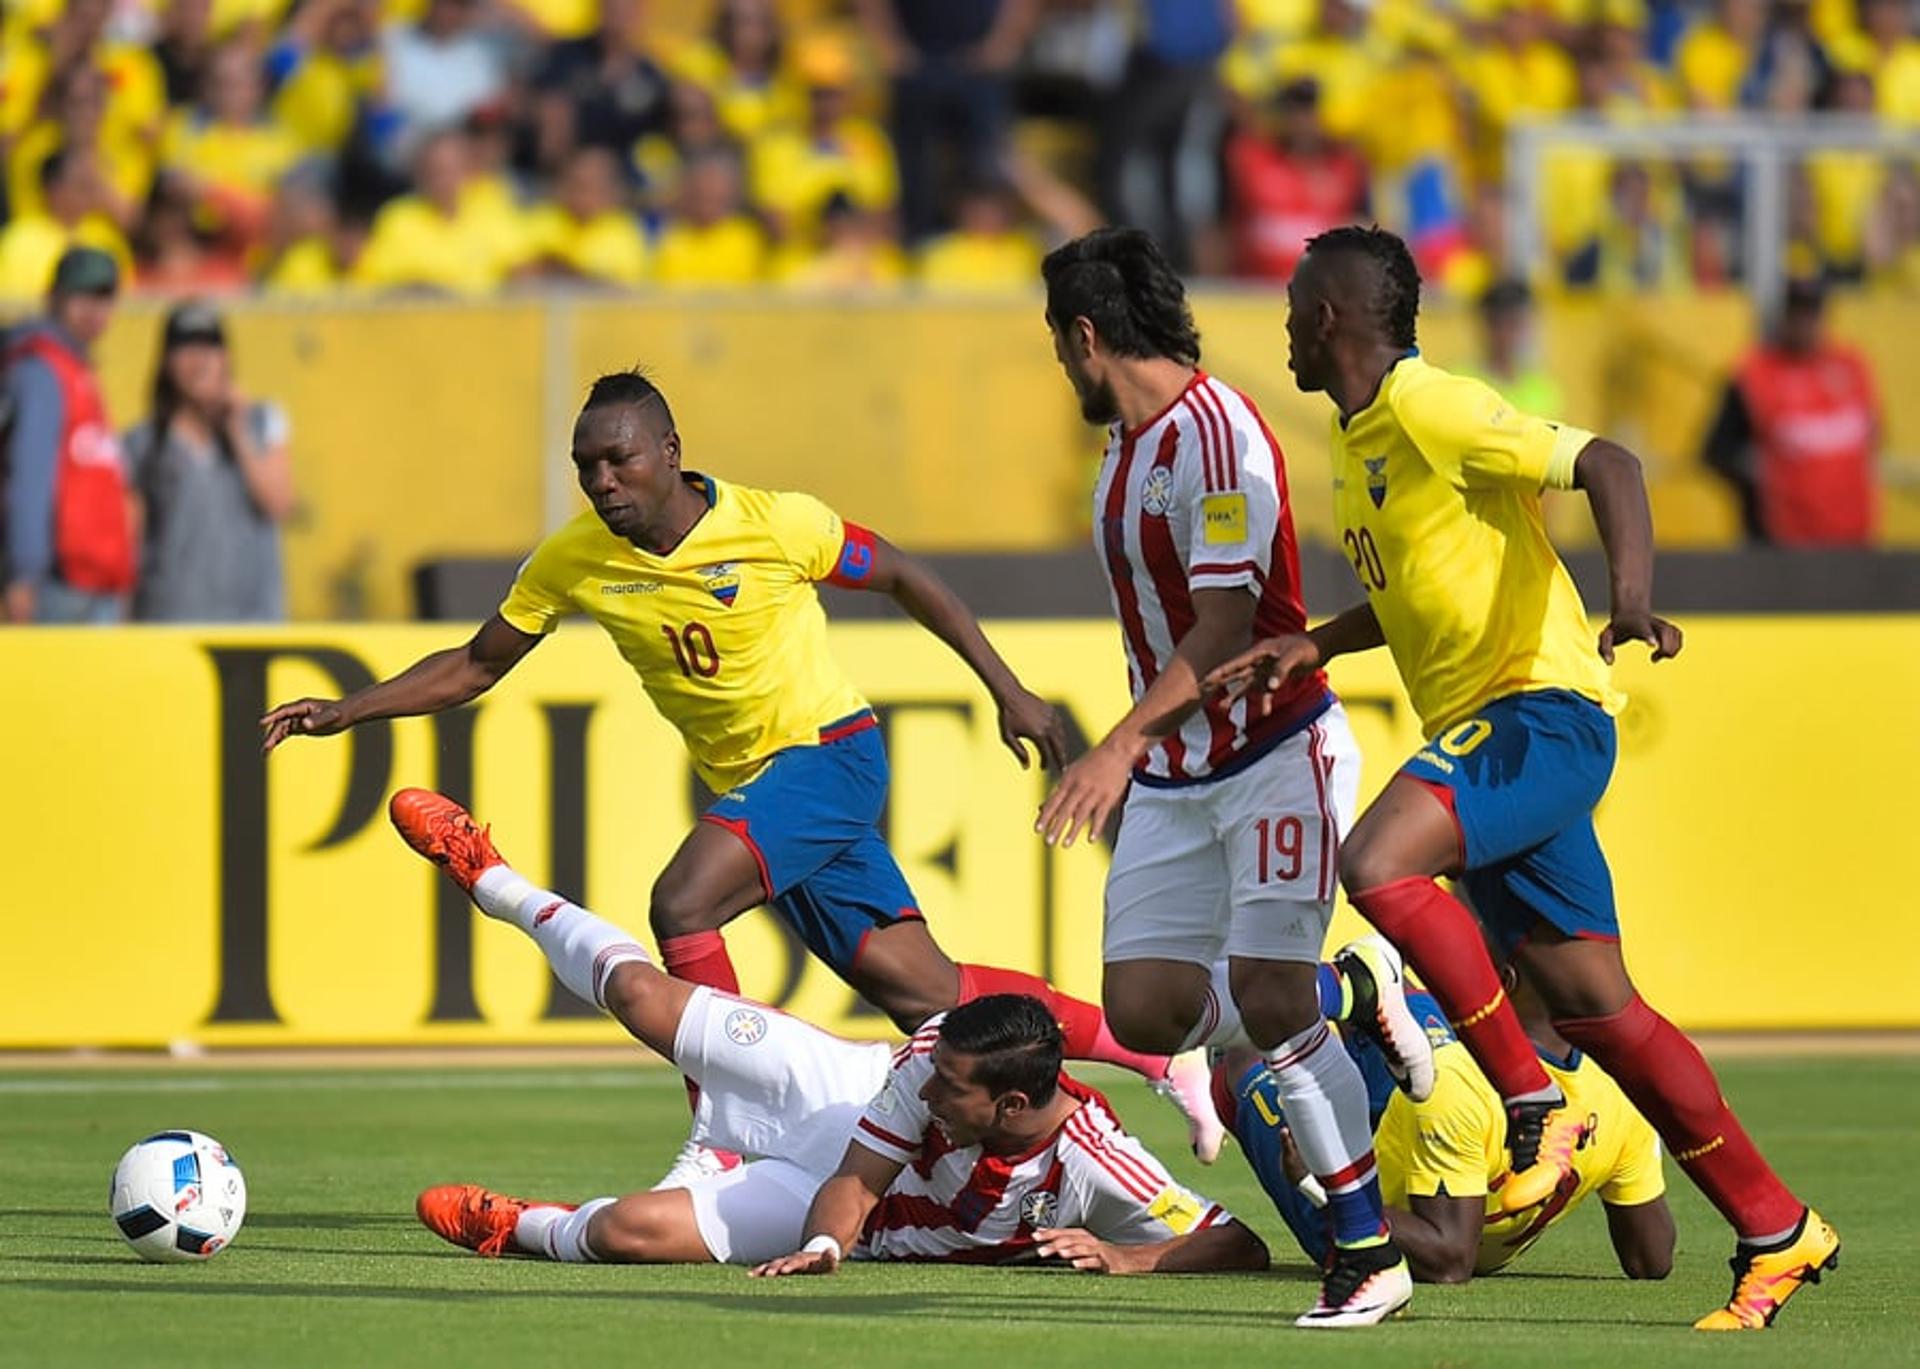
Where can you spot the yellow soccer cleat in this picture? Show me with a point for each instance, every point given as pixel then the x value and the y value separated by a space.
pixel 1764 1280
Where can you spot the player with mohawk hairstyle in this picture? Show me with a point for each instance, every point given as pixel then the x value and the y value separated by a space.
pixel 1437 483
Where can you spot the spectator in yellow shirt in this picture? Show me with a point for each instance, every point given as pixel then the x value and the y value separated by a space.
pixel 693 127
pixel 1519 73
pixel 1845 186
pixel 1717 56
pixel 1896 58
pixel 325 69
pixel 585 234
pixel 429 241
pixel 712 244
pixel 32 244
pixel 311 246
pixel 855 251
pixel 987 252
pixel 796 171
pixel 1343 53
pixel 740 67
pixel 75 117
pixel 136 88
pixel 226 152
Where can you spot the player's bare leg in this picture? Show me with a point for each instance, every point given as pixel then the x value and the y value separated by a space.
pixel 1782 1243
pixel 1406 838
pixel 901 970
pixel 713 877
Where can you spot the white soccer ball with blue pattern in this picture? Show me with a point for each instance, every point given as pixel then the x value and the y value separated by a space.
pixel 177 1196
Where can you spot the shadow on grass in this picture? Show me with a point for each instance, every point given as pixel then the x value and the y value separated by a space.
pixel 887 1304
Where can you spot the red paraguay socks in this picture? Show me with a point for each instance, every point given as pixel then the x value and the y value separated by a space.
pixel 1082 1023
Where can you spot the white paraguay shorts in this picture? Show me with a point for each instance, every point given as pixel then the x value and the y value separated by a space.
pixel 781 1091
pixel 1246 865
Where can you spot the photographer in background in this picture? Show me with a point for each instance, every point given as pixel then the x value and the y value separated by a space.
pixel 215 481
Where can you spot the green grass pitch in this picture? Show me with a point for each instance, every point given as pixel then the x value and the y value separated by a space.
pixel 332 1270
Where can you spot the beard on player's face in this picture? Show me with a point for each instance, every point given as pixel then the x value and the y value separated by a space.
pixel 1098 403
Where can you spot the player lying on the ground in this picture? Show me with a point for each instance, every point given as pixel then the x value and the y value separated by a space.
pixel 968 1143
pixel 1443 1160
pixel 707 589
pixel 1437 485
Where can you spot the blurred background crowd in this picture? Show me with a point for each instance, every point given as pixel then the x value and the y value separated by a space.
pixel 469 146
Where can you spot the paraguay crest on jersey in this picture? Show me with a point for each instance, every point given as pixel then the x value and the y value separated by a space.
pixel 722 580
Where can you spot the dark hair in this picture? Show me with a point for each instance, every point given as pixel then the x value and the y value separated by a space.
pixel 1395 291
pixel 630 386
pixel 52 168
pixel 1506 296
pixel 1015 1042
pixel 1120 279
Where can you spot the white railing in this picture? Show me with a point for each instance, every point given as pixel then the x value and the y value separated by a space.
pixel 1765 145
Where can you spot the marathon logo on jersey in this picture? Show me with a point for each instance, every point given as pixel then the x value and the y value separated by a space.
pixel 1376 478
pixel 1156 495
pixel 1224 517
pixel 1040 1209
pixel 746 1027
pixel 628 586
pixel 723 581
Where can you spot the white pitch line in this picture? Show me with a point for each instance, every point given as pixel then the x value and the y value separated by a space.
pixel 459 1080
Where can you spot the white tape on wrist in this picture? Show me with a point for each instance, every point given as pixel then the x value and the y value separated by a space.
pixel 823 1245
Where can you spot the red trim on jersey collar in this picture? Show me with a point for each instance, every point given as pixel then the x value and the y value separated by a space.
pixel 1199 378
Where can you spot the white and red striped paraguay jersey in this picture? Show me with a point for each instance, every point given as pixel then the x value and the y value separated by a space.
pixel 960 1204
pixel 1196 498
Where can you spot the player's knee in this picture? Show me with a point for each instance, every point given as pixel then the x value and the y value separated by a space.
pixel 1364 865
pixel 676 908
pixel 1275 1007
pixel 624 994
pixel 1148 1026
pixel 626 1233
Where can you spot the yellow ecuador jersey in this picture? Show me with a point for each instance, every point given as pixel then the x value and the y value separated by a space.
pixel 1455 1143
pixel 1436 494
pixel 725 631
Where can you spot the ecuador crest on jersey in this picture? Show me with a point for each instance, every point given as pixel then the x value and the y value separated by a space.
pixel 722 580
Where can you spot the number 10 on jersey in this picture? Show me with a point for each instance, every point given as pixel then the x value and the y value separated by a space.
pixel 693 650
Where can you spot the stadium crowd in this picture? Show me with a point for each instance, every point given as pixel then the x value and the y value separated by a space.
pixel 466 146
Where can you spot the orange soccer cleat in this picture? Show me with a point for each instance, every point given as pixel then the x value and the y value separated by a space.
pixel 445 833
pixel 1542 1138
pixel 1764 1280
pixel 474 1217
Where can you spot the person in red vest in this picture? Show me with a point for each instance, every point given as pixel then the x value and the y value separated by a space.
pixel 1289 185
pixel 1798 433
pixel 69 546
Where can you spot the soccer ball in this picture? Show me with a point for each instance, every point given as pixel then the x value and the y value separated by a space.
pixel 178 1195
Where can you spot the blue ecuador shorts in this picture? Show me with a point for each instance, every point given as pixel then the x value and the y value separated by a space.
pixel 811 820
pixel 1523 776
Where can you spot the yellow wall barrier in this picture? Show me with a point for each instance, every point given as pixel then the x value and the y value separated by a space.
pixel 426 430
pixel 165 885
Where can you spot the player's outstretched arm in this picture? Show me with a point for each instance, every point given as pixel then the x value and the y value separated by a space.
pixel 1094 786
pixel 443 680
pixel 1617 491
pixel 1642 1238
pixel 1272 661
pixel 1024 715
pixel 1440 1236
pixel 838 1214
pixel 1215 1250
